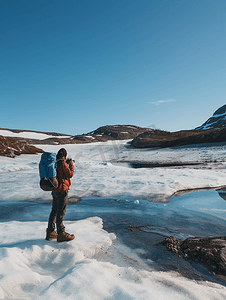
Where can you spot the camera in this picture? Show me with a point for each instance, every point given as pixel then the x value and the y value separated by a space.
pixel 69 160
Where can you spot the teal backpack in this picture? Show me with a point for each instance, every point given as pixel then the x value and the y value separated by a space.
pixel 48 172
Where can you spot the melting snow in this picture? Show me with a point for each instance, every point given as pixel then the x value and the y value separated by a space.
pixel 32 268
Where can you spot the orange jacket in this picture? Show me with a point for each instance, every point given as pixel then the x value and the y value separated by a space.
pixel 64 173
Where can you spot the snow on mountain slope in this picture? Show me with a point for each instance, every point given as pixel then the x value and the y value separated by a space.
pixel 30 134
pixel 218 119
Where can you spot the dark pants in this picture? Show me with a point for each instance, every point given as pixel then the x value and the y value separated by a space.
pixel 59 205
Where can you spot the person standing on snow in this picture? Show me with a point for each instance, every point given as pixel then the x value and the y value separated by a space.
pixel 65 171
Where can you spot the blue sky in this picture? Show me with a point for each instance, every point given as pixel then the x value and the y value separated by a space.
pixel 72 66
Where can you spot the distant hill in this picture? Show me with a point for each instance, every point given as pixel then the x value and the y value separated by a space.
pixel 212 131
pixel 101 134
pixel 26 132
pixel 218 119
pixel 110 132
pixel 163 139
pixel 16 142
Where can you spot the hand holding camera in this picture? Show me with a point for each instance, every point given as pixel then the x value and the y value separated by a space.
pixel 69 161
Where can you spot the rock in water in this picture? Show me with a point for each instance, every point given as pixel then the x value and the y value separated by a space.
pixel 208 252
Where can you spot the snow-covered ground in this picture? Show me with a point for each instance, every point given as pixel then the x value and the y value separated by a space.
pixel 97 174
pixel 28 134
pixel 98 264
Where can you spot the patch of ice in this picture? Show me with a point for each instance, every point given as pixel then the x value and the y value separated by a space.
pixel 129 126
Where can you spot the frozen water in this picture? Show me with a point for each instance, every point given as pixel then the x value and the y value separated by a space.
pixel 115 262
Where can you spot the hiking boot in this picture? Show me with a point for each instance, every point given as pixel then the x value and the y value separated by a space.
pixel 65 237
pixel 51 236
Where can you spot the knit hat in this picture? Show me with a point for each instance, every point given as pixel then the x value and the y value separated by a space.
pixel 62 152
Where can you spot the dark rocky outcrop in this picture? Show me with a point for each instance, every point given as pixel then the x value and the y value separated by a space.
pixel 218 120
pixel 48 141
pixel 208 252
pixel 11 147
pixel 163 139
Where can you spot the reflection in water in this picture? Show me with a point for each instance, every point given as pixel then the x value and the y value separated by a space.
pixel 222 193
pixel 139 165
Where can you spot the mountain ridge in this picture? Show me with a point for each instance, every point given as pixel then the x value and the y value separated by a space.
pixel 211 131
pixel 101 134
pixel 218 120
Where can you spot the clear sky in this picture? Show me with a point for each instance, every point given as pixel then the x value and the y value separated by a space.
pixel 71 66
